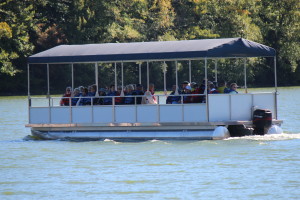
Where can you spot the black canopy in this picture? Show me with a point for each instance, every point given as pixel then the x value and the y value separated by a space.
pixel 163 50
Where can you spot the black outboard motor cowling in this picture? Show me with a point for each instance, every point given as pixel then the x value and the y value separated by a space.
pixel 262 121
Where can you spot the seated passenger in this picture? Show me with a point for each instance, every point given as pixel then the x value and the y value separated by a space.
pixel 223 87
pixel 172 99
pixel 80 90
pixel 149 97
pixel 75 96
pixel 196 90
pixel 138 91
pixel 84 99
pixel 92 93
pixel 183 86
pixel 66 101
pixel 152 91
pixel 111 92
pixel 119 100
pixel 128 99
pixel 101 93
pixel 188 91
pixel 212 89
pixel 232 89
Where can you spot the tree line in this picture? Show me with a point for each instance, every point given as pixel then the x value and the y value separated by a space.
pixel 31 26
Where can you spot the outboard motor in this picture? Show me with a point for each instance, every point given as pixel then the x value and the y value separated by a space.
pixel 262 121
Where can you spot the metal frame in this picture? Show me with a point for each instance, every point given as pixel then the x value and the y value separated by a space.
pixel 122 71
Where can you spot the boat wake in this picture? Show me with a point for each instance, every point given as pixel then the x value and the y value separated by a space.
pixel 269 137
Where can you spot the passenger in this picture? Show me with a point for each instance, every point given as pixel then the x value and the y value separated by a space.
pixel 101 92
pixel 75 96
pixel 196 90
pixel 92 94
pixel 80 90
pixel 233 87
pixel 84 99
pixel 119 100
pixel 172 99
pixel 212 89
pixel 111 92
pixel 128 99
pixel 152 90
pixel 138 91
pixel 183 85
pixel 187 91
pixel 89 90
pixel 149 97
pixel 223 87
pixel 66 101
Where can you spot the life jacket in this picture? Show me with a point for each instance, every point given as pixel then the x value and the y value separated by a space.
pixel 230 91
pixel 227 90
pixel 65 101
pixel 74 100
pixel 85 100
pixel 108 100
pixel 197 99
pixel 172 99
pixel 187 99
pixel 138 99
pixel 118 100
pixel 128 99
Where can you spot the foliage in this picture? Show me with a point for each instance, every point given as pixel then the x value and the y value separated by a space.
pixel 31 26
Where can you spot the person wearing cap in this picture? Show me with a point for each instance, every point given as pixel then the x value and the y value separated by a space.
pixel 232 89
pixel 183 85
pixel 188 91
pixel 212 89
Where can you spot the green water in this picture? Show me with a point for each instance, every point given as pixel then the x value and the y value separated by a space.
pixel 254 167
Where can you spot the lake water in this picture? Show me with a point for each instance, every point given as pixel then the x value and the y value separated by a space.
pixel 254 167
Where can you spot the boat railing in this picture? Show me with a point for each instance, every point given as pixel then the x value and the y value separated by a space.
pixel 219 107
pixel 53 101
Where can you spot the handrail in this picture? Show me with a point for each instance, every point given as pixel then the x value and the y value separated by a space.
pixel 50 100
pixel 115 107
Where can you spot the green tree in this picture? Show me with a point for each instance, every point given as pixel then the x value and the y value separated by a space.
pixel 16 21
pixel 280 22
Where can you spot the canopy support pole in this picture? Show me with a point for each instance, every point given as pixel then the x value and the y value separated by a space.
pixel 72 74
pixel 48 81
pixel 216 71
pixel 190 71
pixel 96 76
pixel 140 73
pixel 116 82
pixel 275 78
pixel 28 80
pixel 176 74
pixel 205 92
pixel 165 81
pixel 245 75
pixel 275 73
pixel 147 76
pixel 122 71
pixel 28 87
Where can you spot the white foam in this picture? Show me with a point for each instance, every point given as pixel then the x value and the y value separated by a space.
pixel 269 137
